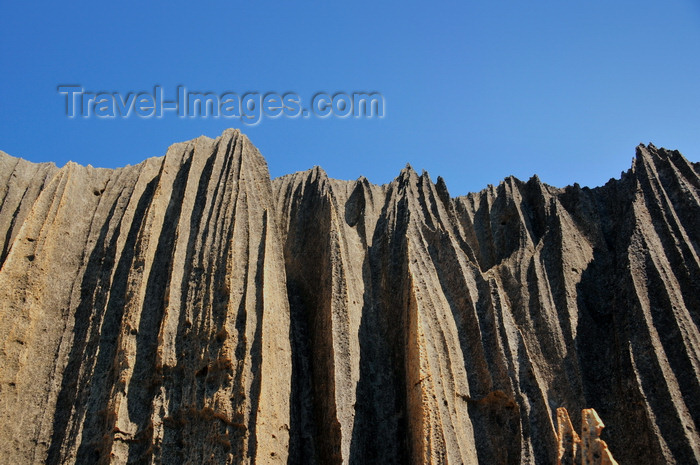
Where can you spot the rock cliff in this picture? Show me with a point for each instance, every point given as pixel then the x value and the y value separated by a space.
pixel 189 310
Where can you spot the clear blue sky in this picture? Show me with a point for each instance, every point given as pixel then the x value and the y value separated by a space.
pixel 474 91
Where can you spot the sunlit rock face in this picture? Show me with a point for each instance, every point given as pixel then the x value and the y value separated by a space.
pixel 189 310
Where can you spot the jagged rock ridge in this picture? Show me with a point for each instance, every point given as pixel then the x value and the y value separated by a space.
pixel 190 310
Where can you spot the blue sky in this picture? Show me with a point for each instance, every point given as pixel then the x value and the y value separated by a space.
pixel 474 91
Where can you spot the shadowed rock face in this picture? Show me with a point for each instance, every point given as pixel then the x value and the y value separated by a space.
pixel 190 310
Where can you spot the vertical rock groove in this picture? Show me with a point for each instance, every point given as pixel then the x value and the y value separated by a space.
pixel 191 310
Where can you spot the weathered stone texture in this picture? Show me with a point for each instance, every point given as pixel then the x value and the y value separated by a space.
pixel 190 310
pixel 588 449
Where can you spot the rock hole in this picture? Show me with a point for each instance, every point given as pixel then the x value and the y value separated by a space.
pixel 221 335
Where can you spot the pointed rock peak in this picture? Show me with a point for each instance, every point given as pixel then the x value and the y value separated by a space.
pixel 535 184
pixel 231 133
pixel 232 145
pixel 318 171
pixel 442 191
pixel 317 175
pixel 407 169
pixel 228 136
pixel 364 182
pixel 644 155
pixel 648 150
pixel 225 144
pixel 424 180
pixel 510 181
pixel 406 178
pixel 407 173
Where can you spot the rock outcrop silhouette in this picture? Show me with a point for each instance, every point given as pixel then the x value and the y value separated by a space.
pixel 190 310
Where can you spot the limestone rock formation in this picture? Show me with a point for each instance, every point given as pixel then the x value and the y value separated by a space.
pixel 588 450
pixel 189 310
